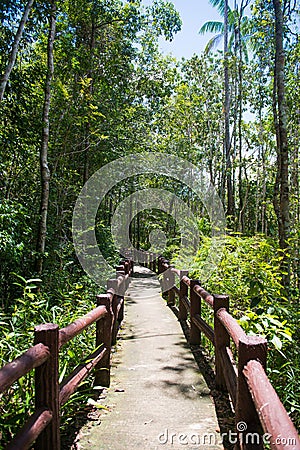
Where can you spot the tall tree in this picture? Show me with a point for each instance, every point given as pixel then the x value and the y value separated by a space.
pixel 227 154
pixel 44 168
pixel 230 24
pixel 281 197
pixel 14 50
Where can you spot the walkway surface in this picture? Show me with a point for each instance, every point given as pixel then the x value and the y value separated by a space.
pixel 158 399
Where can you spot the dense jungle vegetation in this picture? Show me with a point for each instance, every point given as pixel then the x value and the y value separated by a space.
pixel 83 83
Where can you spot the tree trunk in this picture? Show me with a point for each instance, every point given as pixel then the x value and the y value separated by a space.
pixel 14 50
pixel 228 165
pixel 240 119
pixel 92 43
pixel 282 178
pixel 44 169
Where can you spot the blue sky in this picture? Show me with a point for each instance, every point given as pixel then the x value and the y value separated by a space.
pixel 194 13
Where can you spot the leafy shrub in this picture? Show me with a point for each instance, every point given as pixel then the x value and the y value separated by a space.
pixel 15 233
pixel 17 325
pixel 248 271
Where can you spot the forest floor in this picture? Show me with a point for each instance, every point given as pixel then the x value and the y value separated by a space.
pixel 158 397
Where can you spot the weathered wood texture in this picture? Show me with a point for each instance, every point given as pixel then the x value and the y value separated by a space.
pixel 234 330
pixel 222 339
pixel 32 358
pixel 250 348
pixel 104 336
pixel 252 395
pixel 31 430
pixel 283 434
pixel 46 386
pixel 73 329
pixel 43 426
pixel 208 298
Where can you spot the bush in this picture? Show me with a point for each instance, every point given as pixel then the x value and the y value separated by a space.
pixel 17 325
pixel 248 271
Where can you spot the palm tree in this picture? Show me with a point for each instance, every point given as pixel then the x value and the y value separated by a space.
pixel 234 31
pixel 237 22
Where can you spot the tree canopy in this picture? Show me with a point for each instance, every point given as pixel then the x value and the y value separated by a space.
pixel 83 82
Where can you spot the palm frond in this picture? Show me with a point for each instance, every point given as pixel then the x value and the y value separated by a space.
pixel 213 43
pixel 220 5
pixel 212 27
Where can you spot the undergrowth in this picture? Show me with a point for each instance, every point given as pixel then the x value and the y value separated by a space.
pixel 247 269
pixel 32 307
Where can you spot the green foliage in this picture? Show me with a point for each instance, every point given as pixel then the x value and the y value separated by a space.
pixel 30 309
pixel 166 19
pixel 113 93
pixel 248 271
pixel 15 232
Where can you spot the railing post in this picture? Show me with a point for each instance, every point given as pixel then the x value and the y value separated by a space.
pixel 120 317
pixel 183 292
pixel 118 298
pixel 162 272
pixel 154 264
pixel 150 261
pixel 103 336
pixel 113 284
pixel 247 421
pixel 131 264
pixel 126 267
pixel 195 334
pixel 47 387
pixel 159 262
pixel 222 339
pixel 171 293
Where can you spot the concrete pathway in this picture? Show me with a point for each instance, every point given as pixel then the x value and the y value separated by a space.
pixel 158 399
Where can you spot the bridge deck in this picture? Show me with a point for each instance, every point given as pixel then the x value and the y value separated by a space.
pixel 158 398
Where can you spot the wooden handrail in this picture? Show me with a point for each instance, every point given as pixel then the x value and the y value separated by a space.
pixel 281 433
pixel 186 280
pixel 234 330
pixel 32 358
pixel 43 426
pixel 71 383
pixel 73 329
pixel 251 392
pixel 31 430
pixel 203 326
pixel 208 298
pixel 230 372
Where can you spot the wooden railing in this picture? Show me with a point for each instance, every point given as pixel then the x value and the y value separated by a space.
pixel 43 427
pixel 259 414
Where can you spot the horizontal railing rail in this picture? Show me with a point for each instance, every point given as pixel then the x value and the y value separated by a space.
pixel 32 358
pixel 260 417
pixel 43 426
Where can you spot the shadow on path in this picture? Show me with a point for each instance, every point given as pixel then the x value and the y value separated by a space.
pixel 224 411
pixel 156 385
